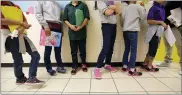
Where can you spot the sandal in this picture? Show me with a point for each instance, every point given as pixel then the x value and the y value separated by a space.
pixel 84 68
pixel 153 69
pixel 73 72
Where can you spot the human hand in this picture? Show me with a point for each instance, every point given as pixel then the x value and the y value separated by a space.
pixel 47 31
pixel 78 28
pixel 164 25
pixel 26 25
pixel 73 27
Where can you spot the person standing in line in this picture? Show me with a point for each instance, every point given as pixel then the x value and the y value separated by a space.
pixel 107 11
pixel 77 33
pixel 156 17
pixel 48 14
pixel 20 45
pixel 170 5
pixel 132 15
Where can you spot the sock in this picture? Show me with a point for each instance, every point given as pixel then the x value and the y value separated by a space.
pixel 132 69
pixel 107 65
pixel 125 66
pixel 150 67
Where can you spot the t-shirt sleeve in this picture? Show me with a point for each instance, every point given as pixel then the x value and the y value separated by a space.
pixel 86 12
pixel 151 14
pixel 65 14
pixel 102 6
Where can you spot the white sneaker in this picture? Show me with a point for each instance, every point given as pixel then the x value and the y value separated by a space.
pixel 164 64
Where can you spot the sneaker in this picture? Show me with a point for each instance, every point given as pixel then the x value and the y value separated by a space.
pixel 32 81
pixel 96 73
pixel 124 69
pixel 164 64
pixel 111 69
pixel 52 72
pixel 21 81
pixel 73 72
pixel 180 72
pixel 135 73
pixel 61 70
pixel 84 68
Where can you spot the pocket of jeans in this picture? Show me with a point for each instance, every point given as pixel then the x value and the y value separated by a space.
pixel 132 36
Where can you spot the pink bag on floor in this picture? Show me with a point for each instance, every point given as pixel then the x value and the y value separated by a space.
pixel 53 40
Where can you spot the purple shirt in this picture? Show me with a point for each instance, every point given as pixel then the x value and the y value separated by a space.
pixel 156 12
pixel 110 2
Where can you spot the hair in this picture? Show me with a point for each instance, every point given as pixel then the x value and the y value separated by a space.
pixel 126 2
pixel 96 7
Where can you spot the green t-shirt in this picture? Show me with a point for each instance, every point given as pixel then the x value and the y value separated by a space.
pixel 69 15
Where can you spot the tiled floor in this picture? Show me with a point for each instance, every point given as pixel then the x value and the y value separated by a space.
pixel 167 81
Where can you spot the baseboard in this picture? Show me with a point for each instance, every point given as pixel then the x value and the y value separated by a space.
pixel 90 64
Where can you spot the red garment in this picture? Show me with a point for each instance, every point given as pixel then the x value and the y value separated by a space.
pixel 5 3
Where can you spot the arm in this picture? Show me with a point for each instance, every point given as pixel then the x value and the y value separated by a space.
pixel 65 19
pixel 39 14
pixel 106 10
pixel 142 13
pixel 10 22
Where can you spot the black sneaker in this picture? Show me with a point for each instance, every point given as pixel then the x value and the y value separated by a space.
pixel 52 72
pixel 124 69
pixel 21 81
pixel 135 73
pixel 34 81
pixel 73 72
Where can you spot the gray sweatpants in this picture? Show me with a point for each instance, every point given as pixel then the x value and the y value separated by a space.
pixel 169 49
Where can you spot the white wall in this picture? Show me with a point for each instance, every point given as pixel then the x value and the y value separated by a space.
pixel 94 40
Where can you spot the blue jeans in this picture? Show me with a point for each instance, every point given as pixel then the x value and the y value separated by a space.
pixel 12 45
pixel 109 36
pixel 130 40
pixel 47 54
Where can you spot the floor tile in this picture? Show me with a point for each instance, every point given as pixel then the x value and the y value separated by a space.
pixel 145 75
pixel 128 85
pixel 4 92
pixel 78 85
pixel 173 83
pixel 120 74
pixel 6 73
pixel 9 85
pixel 81 74
pixel 175 65
pixel 124 93
pixel 60 75
pixel 30 88
pixel 174 72
pixel 21 92
pixel 54 85
pixel 104 74
pixel 152 84
pixel 104 93
pixel 42 73
pixel 38 92
pixel 103 85
pixel 160 74
pixel 75 93
pixel 180 92
pixel 162 93
pixel 3 80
